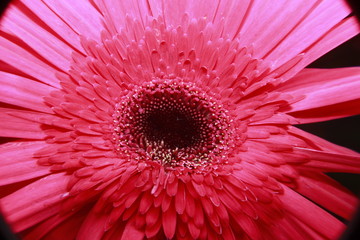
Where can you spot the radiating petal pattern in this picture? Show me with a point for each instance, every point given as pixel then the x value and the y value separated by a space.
pixel 149 119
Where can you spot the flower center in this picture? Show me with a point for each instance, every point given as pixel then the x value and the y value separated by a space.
pixel 171 122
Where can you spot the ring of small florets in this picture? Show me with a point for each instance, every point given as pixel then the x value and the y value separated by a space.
pixel 171 122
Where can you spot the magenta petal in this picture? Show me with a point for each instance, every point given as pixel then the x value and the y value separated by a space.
pixel 48 46
pixel 173 119
pixel 53 21
pixel 87 229
pixel 324 91
pixel 169 222
pixel 328 193
pixel 305 211
pixel 18 156
pixel 320 18
pixel 81 16
pixel 16 55
pixel 26 126
pixel 35 202
pixel 132 232
pixel 330 162
pixel 24 92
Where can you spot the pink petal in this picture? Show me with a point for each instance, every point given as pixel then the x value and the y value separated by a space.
pixel 132 232
pixel 180 199
pixel 291 228
pixel 169 222
pixel 58 227
pixel 311 215
pixel 15 54
pixel 80 15
pixel 325 91
pixel 117 11
pixel 328 193
pixel 281 18
pixel 35 202
pixel 193 229
pixel 17 127
pixel 87 229
pixel 322 87
pixel 18 156
pixel 321 143
pixel 320 18
pixel 341 32
pixel 329 157
pixel 17 21
pixel 335 111
pixel 330 162
pixel 55 23
pixel 152 216
pixel 23 92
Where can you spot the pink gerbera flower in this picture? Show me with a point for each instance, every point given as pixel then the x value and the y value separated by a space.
pixel 173 119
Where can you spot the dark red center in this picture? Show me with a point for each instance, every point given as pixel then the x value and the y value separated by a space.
pixel 172 122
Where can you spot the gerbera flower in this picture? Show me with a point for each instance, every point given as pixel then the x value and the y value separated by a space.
pixel 173 119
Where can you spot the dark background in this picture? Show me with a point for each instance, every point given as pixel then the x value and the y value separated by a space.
pixel 345 131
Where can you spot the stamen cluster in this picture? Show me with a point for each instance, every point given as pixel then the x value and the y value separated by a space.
pixel 171 122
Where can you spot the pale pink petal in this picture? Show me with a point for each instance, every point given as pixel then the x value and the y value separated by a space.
pixel 320 18
pixel 341 32
pixel 16 54
pixel 120 11
pixel 277 23
pixel 53 22
pixel 24 92
pixel 18 22
pixel 80 15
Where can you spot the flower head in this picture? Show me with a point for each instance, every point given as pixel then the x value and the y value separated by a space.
pixel 173 119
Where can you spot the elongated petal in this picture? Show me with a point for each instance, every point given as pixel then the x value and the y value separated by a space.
pixel 18 22
pixel 15 54
pixel 172 119
pixel 326 113
pixel 58 227
pixel 341 32
pixel 323 87
pixel 325 91
pixel 328 193
pixel 17 156
pixel 322 143
pixel 330 162
pixel 81 16
pixel 16 127
pixel 88 230
pixel 55 23
pixel 44 195
pixel 327 156
pixel 24 92
pixel 320 18
pixel 311 215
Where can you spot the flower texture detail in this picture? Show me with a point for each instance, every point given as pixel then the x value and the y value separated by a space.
pixel 174 119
